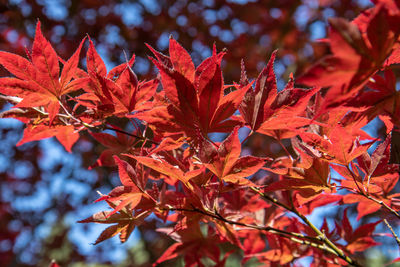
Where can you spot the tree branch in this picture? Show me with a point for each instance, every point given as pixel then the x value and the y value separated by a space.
pixel 132 135
pixel 367 195
pixel 320 235
pixel 295 237
pixel 393 233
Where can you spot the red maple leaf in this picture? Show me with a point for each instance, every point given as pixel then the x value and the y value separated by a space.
pixel 377 180
pixel 192 245
pixel 66 134
pixel 379 98
pixel 340 146
pixel 359 49
pixel 116 145
pixel 130 194
pixel 38 81
pixel 225 162
pixel 195 97
pixel 117 92
pixel 308 179
pixel 359 239
pixel 123 224
pixel 270 112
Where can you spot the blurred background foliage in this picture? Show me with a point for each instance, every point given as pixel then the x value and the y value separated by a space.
pixel 44 190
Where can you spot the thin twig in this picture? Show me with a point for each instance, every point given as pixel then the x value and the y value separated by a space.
pixel 383 204
pixel 367 195
pixel 296 237
pixel 355 180
pixel 393 233
pixel 320 235
pixel 130 134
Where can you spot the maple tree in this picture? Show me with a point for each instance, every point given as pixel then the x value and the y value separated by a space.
pixel 212 194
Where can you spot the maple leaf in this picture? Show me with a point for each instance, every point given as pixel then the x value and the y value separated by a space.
pixel 196 100
pixel 308 180
pixel 359 49
pixel 123 224
pixel 205 184
pixel 378 164
pixel 117 92
pixel 193 245
pixel 274 113
pixel 307 205
pixel 309 175
pixel 364 205
pixel 65 134
pixel 130 194
pixel 128 175
pixel 379 98
pixel 380 178
pixel 359 239
pixel 326 122
pixel 125 196
pixel 281 251
pixel 339 147
pixel 339 68
pixel 116 145
pixel 38 82
pixel 162 166
pixel 225 162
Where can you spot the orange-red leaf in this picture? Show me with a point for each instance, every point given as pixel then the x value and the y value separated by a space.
pixel 65 134
pixel 225 163
pixel 181 60
pixel 70 67
pixel 163 167
pixel 127 174
pixel 94 62
pixel 45 60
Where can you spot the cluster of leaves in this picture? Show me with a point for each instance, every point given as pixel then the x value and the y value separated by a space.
pixel 206 192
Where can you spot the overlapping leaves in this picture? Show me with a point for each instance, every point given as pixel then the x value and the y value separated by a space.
pixel 171 166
